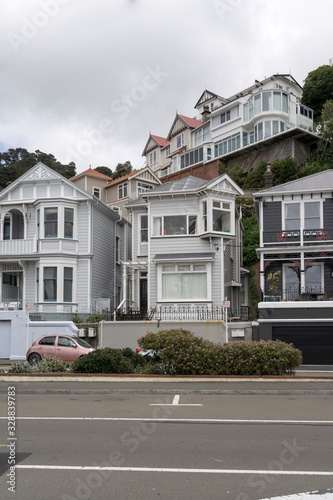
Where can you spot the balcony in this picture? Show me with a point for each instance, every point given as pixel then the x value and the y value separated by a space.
pixel 297 294
pixel 297 237
pixel 18 247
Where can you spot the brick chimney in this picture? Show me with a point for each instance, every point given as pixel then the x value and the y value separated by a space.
pixel 205 114
pixel 268 177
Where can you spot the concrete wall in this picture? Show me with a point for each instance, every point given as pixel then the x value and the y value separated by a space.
pixel 17 333
pixel 120 334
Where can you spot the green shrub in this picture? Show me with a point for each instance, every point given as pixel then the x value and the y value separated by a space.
pixel 108 360
pixel 95 318
pixel 181 352
pixel 50 364
pixel 19 367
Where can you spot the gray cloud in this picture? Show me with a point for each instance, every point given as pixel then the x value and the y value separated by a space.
pixel 76 73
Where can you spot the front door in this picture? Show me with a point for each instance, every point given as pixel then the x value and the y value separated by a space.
pixel 143 295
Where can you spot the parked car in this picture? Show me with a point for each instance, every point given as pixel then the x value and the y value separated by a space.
pixel 60 346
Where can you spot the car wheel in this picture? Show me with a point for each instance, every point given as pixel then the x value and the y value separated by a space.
pixel 34 358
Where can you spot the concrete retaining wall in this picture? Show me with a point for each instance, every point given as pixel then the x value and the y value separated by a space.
pixel 120 334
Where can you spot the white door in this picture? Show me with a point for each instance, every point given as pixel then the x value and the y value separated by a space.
pixel 5 328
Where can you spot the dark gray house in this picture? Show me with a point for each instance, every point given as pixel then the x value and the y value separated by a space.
pixel 296 265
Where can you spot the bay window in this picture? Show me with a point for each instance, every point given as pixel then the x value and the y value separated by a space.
pixel 57 283
pixel 50 284
pixel 68 223
pixel 68 284
pixel 174 225
pixel 50 223
pixel 265 101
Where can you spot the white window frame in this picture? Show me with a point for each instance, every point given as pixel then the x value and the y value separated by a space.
pixel 209 217
pixel 208 273
pixel 163 230
pixel 302 213
pixel 152 157
pixel 180 140
pixel 122 191
pixel 60 266
pixel 40 221
pixel 141 230
pixel 284 279
pixel 98 191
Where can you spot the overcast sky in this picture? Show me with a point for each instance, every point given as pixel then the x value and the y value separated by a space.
pixel 88 80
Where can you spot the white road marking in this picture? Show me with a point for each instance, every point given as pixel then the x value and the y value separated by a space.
pixel 304 496
pixel 190 420
pixel 175 402
pixel 172 469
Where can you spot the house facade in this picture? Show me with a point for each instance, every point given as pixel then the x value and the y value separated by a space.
pixel 187 254
pixel 117 192
pixel 296 264
pixel 264 122
pixel 60 247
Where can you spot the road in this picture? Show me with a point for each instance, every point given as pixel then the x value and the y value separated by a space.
pixel 176 445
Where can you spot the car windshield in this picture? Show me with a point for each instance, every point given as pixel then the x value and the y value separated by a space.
pixel 81 342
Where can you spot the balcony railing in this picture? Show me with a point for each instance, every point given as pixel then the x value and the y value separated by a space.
pixel 306 294
pixel 297 237
pixel 18 247
pixel 185 313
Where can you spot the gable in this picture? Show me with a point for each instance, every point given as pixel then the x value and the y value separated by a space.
pixel 147 175
pixel 41 182
pixel 205 96
pixel 226 185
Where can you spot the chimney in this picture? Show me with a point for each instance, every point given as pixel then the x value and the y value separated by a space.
pixel 205 114
pixel 268 177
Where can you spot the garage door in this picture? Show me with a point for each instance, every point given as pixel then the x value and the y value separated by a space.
pixel 315 342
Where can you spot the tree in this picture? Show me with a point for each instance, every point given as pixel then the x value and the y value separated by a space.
pixel 15 162
pixel 104 170
pixel 284 170
pixel 318 88
pixel 122 169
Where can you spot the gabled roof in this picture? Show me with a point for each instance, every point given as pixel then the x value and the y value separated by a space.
pixel 42 173
pixel 195 184
pixel 91 173
pixel 185 122
pixel 206 96
pixel 136 173
pixel 323 181
pixel 153 142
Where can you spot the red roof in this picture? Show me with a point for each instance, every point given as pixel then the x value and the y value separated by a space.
pixel 91 171
pixel 125 176
pixel 161 141
pixel 191 122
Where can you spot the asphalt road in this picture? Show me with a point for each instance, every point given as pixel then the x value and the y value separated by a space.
pixel 171 445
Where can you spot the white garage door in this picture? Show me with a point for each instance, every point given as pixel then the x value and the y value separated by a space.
pixel 5 339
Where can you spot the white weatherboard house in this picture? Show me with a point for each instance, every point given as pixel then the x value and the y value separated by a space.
pixel 187 248
pixel 263 122
pixel 60 247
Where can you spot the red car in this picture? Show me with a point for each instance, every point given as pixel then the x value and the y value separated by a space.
pixel 60 346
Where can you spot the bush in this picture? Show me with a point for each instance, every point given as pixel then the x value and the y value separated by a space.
pixel 19 367
pixel 50 364
pixel 108 360
pixel 181 352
